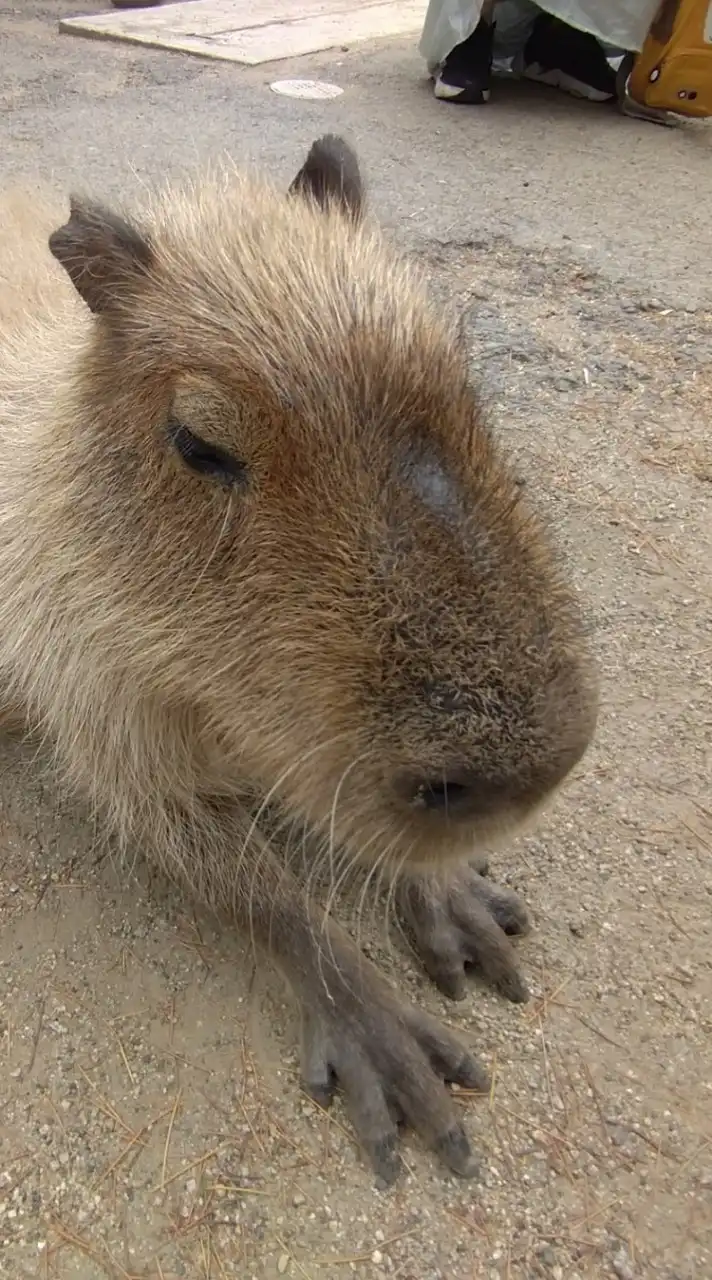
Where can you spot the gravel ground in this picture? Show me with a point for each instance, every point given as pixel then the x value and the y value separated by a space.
pixel 152 1125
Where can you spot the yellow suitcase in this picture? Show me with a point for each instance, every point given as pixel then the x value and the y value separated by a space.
pixel 673 71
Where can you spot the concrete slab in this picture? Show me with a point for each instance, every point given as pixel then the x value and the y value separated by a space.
pixel 234 30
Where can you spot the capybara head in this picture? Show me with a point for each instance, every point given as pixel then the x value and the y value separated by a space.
pixel 311 549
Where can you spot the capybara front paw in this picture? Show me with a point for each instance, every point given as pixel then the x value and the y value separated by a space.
pixel 391 1062
pixel 465 922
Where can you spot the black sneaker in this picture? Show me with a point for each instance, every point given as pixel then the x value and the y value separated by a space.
pixel 568 59
pixel 465 73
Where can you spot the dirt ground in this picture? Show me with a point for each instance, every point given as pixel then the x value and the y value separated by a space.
pixel 152 1125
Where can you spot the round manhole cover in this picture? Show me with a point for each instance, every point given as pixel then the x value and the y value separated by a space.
pixel 306 89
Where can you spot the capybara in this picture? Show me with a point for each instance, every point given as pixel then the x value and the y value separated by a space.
pixel 264 566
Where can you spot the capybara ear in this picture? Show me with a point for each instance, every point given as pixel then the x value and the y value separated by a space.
pixel 331 175
pixel 103 255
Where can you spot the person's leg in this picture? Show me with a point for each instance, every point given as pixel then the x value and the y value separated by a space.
pixel 465 74
pixel 466 71
pixel 570 59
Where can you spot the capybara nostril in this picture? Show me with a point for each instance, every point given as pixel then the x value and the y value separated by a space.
pixel 448 796
pixel 461 795
pixel 452 796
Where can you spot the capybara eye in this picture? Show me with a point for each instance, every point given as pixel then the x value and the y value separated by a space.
pixel 207 459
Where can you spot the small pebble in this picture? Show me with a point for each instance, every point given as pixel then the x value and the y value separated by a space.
pixel 621 1265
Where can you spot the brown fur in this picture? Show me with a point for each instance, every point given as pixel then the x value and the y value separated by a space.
pixel 364 606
